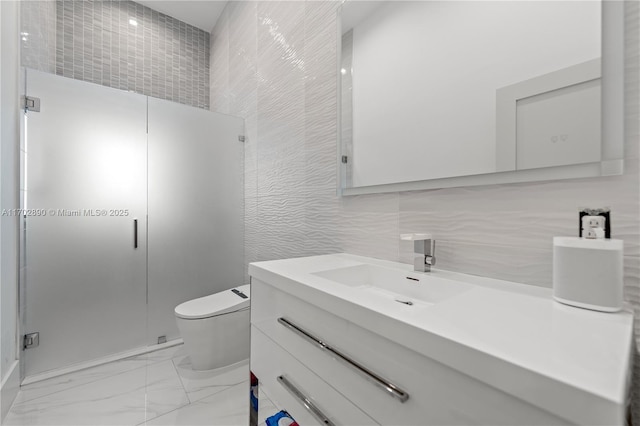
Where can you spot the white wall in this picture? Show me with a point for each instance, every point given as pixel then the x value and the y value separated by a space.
pixel 275 64
pixel 9 191
pixel 445 60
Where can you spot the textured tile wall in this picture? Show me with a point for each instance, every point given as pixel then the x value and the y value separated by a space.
pixel 38 35
pixel 287 55
pixel 92 40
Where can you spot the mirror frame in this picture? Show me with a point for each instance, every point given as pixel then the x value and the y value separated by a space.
pixel 612 132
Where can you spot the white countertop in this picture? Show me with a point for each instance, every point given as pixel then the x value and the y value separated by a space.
pixel 570 361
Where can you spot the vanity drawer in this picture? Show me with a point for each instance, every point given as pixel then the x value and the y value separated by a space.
pixel 283 376
pixel 437 394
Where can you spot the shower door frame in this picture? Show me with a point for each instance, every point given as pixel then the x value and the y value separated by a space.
pixel 211 157
pixel 85 280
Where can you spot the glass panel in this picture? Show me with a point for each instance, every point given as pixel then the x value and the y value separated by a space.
pixel 196 209
pixel 86 184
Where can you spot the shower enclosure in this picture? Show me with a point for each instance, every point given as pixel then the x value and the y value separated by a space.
pixel 132 206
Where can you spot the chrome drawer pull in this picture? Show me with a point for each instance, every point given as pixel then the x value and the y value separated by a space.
pixel 310 406
pixel 382 383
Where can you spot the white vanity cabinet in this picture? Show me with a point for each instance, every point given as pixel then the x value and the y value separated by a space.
pixel 287 380
pixel 332 345
pixel 437 394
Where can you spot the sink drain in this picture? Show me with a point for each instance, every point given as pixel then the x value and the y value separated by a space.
pixel 405 302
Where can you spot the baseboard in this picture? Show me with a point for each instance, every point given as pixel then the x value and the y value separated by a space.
pixel 9 390
pixel 98 361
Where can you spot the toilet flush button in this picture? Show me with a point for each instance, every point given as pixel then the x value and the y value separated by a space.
pixel 239 293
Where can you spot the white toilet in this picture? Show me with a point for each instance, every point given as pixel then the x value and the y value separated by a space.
pixel 215 328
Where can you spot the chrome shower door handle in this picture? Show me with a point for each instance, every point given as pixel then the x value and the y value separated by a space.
pixel 135 233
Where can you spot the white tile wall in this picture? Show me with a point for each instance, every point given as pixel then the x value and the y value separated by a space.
pixel 280 73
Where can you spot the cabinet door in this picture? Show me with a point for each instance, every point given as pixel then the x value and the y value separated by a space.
pixel 289 382
pixel 85 185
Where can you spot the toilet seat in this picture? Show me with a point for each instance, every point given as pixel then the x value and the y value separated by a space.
pixel 216 304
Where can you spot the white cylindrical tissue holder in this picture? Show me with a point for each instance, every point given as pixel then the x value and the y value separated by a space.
pixel 588 273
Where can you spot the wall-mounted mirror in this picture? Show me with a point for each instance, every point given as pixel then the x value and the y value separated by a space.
pixel 453 93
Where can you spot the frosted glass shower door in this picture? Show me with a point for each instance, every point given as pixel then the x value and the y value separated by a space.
pixel 86 169
pixel 196 208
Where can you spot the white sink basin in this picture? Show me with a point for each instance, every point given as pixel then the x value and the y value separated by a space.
pixel 396 284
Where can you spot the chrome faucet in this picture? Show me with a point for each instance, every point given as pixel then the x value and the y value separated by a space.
pixel 424 251
pixel 424 255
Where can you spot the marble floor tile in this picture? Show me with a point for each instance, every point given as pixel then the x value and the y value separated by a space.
pixel 164 354
pixel 154 388
pixel 117 400
pixel 201 384
pixel 229 408
pixel 164 390
pixel 77 378
pixel 123 399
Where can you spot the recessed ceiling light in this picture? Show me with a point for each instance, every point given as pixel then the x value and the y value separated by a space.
pixel 133 22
